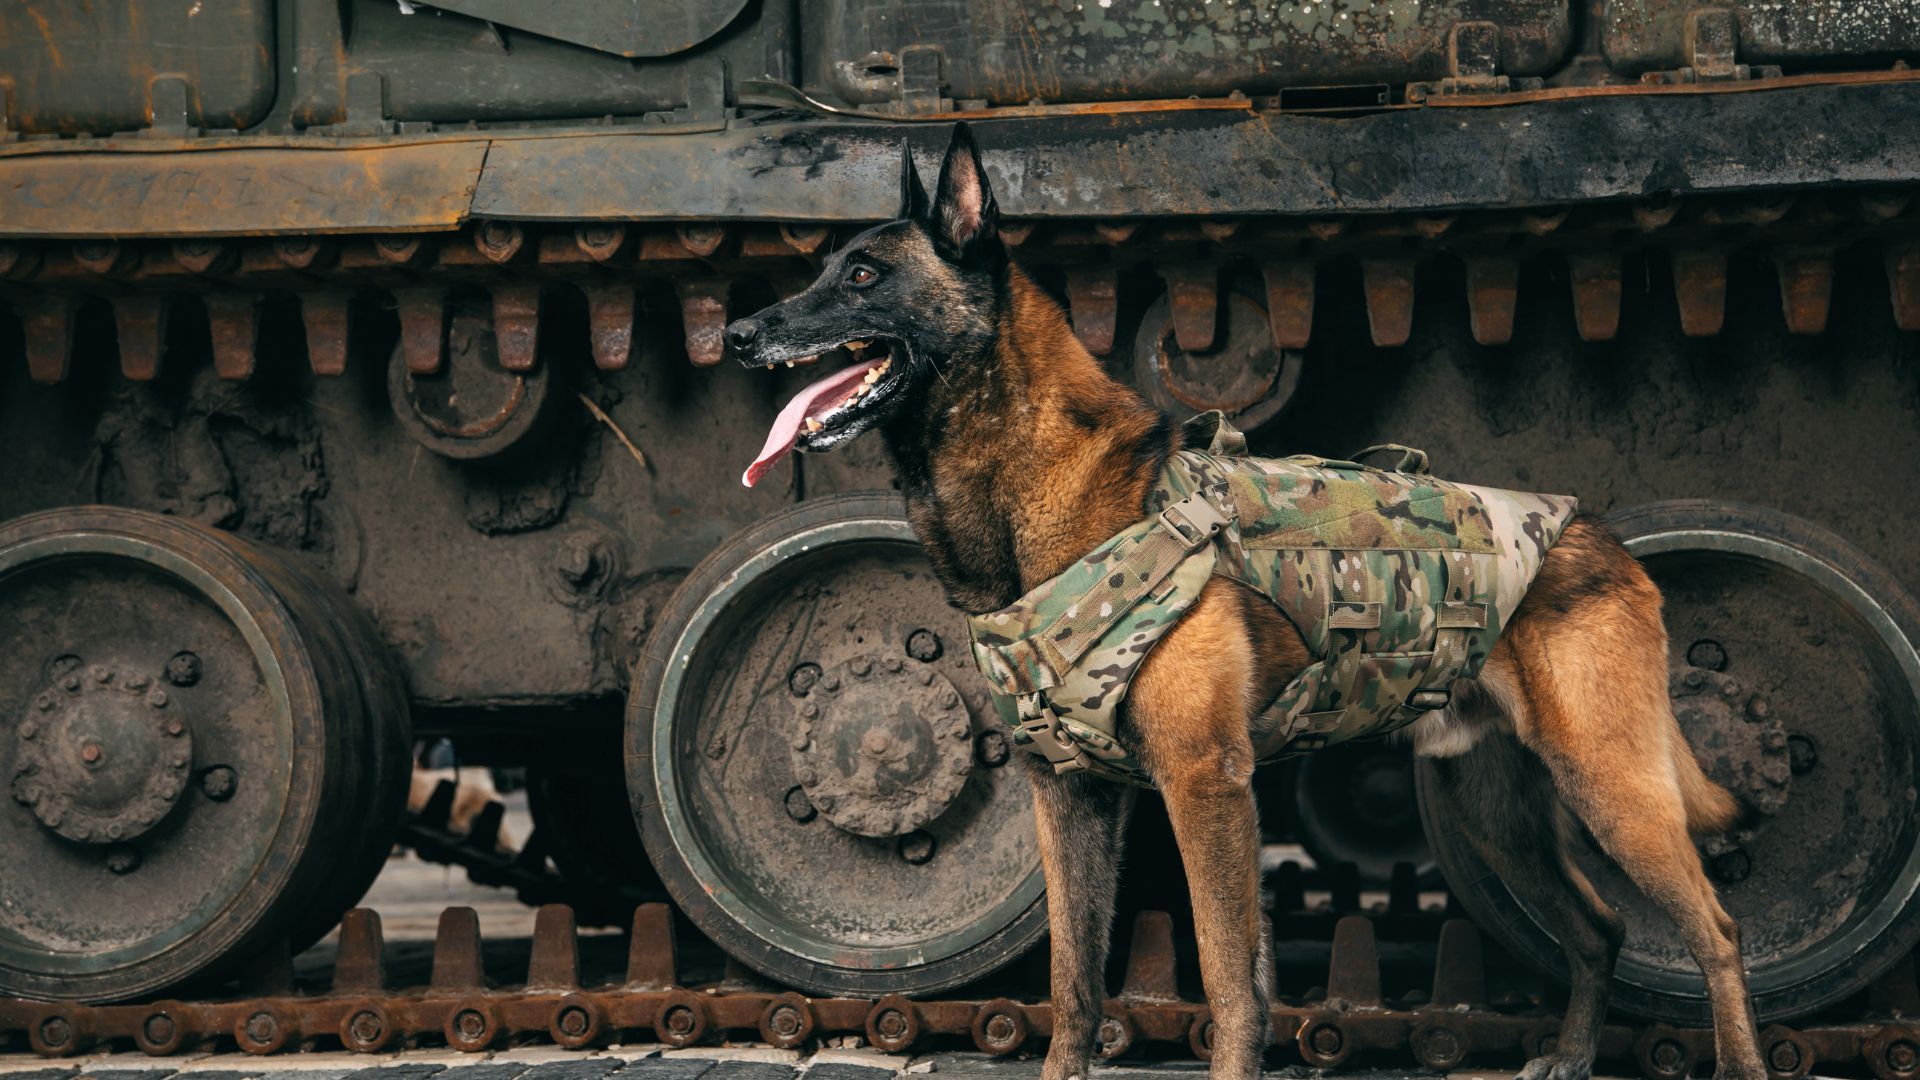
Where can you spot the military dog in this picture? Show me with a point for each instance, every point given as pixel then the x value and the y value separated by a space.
pixel 1017 455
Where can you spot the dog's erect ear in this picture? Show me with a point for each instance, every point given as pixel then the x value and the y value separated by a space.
pixel 913 194
pixel 966 223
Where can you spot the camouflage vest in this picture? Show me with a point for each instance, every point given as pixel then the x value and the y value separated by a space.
pixel 1398 583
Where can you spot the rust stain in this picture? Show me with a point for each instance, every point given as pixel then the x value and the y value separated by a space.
pixel 46 33
pixel 1749 86
pixel 241 192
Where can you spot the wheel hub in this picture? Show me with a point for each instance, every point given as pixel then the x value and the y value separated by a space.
pixel 1735 735
pixel 101 755
pixel 881 746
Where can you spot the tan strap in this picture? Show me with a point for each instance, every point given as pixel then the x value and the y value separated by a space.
pixel 1411 459
pixel 1455 617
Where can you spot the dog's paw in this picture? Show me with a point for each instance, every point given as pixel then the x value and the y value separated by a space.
pixel 1554 1067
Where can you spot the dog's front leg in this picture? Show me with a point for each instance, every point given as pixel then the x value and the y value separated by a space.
pixel 1082 824
pixel 1215 823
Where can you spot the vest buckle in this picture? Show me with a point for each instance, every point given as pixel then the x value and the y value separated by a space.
pixel 1193 521
pixel 1047 737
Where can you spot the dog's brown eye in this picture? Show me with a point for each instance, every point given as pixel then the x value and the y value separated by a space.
pixel 861 276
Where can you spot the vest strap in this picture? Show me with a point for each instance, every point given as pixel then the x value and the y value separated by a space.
pixel 1455 618
pixel 1138 572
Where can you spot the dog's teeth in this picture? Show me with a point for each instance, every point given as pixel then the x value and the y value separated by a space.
pixel 789 363
pixel 814 425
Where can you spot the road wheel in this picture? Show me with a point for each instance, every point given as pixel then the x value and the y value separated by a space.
pixel 204 750
pixel 820 776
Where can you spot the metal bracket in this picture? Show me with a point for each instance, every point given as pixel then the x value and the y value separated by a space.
pixel 1713 46
pixel 366 101
pixel 167 109
pixel 920 81
pixel 1473 65
pixel 903 84
pixel 1713 42
pixel 706 107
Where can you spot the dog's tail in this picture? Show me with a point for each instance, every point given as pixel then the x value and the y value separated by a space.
pixel 1710 807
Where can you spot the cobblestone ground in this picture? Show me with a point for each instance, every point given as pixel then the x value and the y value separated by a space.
pixel 622 1063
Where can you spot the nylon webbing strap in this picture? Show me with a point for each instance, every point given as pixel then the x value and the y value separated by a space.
pixel 1181 529
pixel 1351 611
pixel 1454 618
pixel 1133 574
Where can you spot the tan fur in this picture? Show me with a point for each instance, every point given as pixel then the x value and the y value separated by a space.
pixel 1579 678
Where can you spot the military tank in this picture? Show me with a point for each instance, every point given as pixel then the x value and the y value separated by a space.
pixel 361 382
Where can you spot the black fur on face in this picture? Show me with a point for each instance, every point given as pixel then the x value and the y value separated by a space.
pixel 927 286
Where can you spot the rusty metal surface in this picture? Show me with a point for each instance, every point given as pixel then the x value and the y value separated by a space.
pixel 482 401
pixel 1447 1023
pixel 1555 151
pixel 1235 368
pixel 85 67
pixel 837 170
pixel 1644 35
pixel 241 192
pixel 1009 54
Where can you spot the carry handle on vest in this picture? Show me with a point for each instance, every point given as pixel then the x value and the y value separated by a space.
pixel 1412 460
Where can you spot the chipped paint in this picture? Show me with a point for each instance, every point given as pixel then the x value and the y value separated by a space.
pixel 1650 35
pixel 1096 50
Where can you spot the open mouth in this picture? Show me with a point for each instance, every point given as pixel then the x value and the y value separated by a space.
pixel 826 406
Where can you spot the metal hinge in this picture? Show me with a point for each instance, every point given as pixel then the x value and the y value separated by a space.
pixel 366 108
pixel 167 109
pixel 1713 47
pixel 1473 65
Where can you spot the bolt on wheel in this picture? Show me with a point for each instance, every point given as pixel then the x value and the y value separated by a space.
pixel 204 752
pixel 819 773
pixel 1795 678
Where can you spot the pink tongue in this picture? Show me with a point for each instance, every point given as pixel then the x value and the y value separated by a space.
pixel 786 426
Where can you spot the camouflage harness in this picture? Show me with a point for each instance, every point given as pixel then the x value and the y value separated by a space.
pixel 1398 583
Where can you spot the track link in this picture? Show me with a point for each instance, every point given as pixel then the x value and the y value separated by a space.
pixel 1454 1025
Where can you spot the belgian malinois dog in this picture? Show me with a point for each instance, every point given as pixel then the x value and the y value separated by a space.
pixel 1017 455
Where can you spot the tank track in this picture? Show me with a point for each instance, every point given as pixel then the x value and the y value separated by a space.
pixel 1350 1018
pixel 615 272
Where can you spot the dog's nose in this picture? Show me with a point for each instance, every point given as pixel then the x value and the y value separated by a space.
pixel 742 333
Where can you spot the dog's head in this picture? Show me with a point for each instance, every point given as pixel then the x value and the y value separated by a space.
pixel 893 312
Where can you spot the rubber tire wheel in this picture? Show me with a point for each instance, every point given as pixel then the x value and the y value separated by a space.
pixel 362 758
pixel 1494 908
pixel 691 894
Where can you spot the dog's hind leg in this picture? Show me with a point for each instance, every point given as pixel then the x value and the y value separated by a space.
pixel 1589 656
pixel 1081 822
pixel 1500 797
